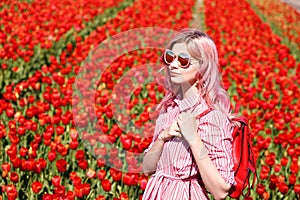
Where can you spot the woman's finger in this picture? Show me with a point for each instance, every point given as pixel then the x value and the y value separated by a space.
pixel 175 133
pixel 175 128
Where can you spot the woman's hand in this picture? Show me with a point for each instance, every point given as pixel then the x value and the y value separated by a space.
pixel 188 126
pixel 168 133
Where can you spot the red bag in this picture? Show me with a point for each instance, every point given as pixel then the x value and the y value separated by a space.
pixel 243 158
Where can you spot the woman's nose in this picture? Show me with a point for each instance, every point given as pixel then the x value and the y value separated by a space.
pixel 174 64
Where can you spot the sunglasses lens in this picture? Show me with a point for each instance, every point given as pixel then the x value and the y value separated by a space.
pixel 184 60
pixel 169 57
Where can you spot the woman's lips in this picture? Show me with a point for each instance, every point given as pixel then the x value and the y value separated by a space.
pixel 174 74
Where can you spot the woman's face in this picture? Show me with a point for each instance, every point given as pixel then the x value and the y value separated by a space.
pixel 183 76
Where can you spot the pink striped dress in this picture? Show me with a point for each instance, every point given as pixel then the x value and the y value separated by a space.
pixel 177 176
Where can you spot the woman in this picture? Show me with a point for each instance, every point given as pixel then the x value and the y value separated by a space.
pixel 191 151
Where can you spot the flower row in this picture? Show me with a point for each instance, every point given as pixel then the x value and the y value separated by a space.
pixel 31 42
pixel 25 25
pixel 285 21
pixel 261 75
pixel 38 130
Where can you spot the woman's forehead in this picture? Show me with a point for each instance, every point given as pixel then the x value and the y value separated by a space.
pixel 180 48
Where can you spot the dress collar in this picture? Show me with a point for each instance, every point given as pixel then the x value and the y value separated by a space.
pixel 189 102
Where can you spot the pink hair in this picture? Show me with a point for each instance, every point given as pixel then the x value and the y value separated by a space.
pixel 202 48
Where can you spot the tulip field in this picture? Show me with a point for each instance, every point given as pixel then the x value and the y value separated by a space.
pixel 55 143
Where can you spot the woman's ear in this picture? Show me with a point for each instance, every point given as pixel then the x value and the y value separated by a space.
pixel 200 83
pixel 198 78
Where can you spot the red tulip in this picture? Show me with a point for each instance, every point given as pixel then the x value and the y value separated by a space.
pixel 294 168
pixel 117 162
pixel 4 66
pixel 10 112
pixel 131 160
pixel 21 130
pixel 51 156
pixel 283 187
pixel 60 130
pixel 76 181
pixel 33 126
pixel 74 144
pixel 70 195
pixel 59 191
pixel 73 175
pixel 73 134
pixel 86 188
pixel 111 138
pixel 31 99
pixel 143 182
pixel 2 131
pixel 101 162
pixel 46 96
pixel 79 155
pixel 61 149
pixel 272 186
pixel 37 138
pixel 23 151
pixel 12 150
pixel 100 197
pixel 61 165
pixel 106 185
pixel 124 196
pixel 47 196
pixel 79 191
pixel 102 151
pixel 101 174
pixel 260 189
pixel 126 142
pixel 5 168
pixel 284 161
pixel 277 168
pixel 114 152
pixel 130 179
pixel 83 164
pixel 40 165
pixel 11 192
pixel 13 138
pixel 55 181
pixel 116 174
pixel 15 161
pixel 292 179
pixel 14 177
pixel 36 186
pixel 56 120
pixel 11 125
pixel 28 165
pixel 297 188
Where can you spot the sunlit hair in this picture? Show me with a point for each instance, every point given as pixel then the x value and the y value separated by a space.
pixel 202 48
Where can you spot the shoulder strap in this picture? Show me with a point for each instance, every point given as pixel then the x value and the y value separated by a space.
pixel 204 113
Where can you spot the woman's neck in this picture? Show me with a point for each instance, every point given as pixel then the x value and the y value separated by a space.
pixel 189 90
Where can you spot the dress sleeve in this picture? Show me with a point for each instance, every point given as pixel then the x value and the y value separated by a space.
pixel 215 131
pixel 158 128
pixel 151 144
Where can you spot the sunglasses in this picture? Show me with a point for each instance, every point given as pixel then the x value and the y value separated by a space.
pixel 183 59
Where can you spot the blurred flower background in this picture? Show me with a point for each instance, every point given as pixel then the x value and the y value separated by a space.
pixel 45 153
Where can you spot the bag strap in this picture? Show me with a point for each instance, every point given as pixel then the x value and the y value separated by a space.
pixel 204 113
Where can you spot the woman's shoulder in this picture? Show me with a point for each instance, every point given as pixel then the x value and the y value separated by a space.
pixel 216 116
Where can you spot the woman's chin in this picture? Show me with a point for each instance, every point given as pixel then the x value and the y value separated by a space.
pixel 177 80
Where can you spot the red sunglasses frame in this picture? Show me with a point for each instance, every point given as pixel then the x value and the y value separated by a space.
pixel 183 59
